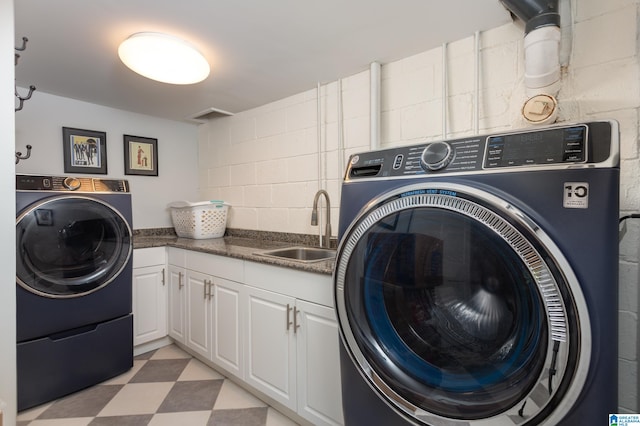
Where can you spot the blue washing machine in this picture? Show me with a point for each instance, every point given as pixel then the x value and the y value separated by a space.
pixel 74 322
pixel 476 280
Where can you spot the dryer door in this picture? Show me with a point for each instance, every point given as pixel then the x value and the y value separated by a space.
pixel 70 246
pixel 457 309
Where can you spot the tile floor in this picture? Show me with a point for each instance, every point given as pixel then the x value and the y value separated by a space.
pixel 165 387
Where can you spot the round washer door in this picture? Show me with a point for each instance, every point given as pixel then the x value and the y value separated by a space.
pixel 457 309
pixel 70 246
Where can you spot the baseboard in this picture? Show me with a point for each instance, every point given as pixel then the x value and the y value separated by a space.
pixel 151 346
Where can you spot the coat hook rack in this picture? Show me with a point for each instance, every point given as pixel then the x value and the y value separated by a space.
pixel 32 88
pixel 21 99
pixel 19 155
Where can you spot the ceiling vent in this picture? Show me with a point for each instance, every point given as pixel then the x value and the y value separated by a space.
pixel 208 114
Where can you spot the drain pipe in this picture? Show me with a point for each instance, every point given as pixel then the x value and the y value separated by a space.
pixel 541 43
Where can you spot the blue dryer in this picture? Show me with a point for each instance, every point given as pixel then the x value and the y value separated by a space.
pixel 73 284
pixel 476 280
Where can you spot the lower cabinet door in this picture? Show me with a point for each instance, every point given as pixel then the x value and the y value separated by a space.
pixel 270 363
pixel 227 326
pixel 149 304
pixel 198 310
pixel 176 279
pixel 319 387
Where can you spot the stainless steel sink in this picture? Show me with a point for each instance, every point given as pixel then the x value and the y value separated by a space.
pixel 300 254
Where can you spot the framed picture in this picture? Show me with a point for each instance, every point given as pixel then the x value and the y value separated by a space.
pixel 85 151
pixel 140 156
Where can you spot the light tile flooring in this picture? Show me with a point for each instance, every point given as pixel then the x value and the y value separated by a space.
pixel 165 387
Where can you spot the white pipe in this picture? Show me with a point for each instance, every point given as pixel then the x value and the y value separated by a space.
pixel 542 61
pixel 341 159
pixel 444 91
pixel 566 30
pixel 319 134
pixel 374 75
pixel 319 138
pixel 476 96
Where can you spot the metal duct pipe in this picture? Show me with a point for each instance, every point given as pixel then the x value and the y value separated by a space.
pixel 541 43
pixel 534 13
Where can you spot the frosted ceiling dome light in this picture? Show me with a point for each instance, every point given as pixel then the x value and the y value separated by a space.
pixel 164 58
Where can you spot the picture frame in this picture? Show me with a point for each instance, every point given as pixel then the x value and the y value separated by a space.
pixel 140 156
pixel 85 151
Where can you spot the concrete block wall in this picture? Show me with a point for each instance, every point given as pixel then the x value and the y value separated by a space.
pixel 269 161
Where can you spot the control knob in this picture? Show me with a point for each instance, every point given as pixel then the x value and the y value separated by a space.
pixel 436 156
pixel 71 183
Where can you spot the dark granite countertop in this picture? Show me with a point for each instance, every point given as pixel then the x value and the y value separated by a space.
pixel 240 247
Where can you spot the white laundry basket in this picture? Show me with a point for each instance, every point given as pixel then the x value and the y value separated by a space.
pixel 204 219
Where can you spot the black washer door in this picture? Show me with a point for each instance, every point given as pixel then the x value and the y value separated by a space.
pixel 70 246
pixel 450 312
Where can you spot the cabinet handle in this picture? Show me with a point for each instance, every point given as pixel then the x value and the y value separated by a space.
pixel 296 326
pixel 208 288
pixel 288 316
pixel 163 277
pixel 180 285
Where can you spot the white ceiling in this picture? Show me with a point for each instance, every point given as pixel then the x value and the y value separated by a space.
pixel 260 51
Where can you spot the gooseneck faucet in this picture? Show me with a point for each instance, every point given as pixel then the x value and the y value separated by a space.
pixel 314 216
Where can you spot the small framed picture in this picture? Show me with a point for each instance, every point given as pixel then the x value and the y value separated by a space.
pixel 85 151
pixel 140 156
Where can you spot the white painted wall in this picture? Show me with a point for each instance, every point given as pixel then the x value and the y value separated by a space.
pixel 40 124
pixel 265 160
pixel 7 219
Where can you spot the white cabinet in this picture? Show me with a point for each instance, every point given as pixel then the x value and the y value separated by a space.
pixel 207 316
pixel 272 327
pixel 227 326
pixel 149 295
pixel 177 302
pixel 198 312
pixel 177 276
pixel 317 345
pixel 291 341
pixel 270 345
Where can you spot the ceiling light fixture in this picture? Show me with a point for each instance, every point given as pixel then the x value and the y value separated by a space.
pixel 164 58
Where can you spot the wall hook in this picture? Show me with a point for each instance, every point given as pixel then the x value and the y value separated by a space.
pixel 24 44
pixel 21 99
pixel 19 155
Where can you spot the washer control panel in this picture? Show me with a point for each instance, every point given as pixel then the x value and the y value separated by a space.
pixel 535 148
pixel 70 184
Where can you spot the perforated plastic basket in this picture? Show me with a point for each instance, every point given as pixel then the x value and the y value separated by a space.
pixel 205 219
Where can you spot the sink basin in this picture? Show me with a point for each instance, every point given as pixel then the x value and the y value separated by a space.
pixel 300 254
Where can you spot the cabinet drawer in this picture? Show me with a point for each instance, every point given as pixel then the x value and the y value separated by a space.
pixel 149 257
pixel 316 288
pixel 218 266
pixel 177 257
